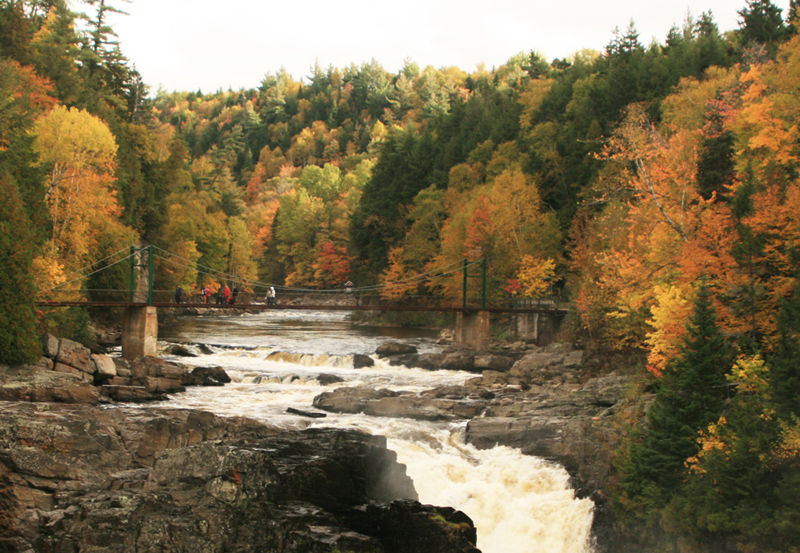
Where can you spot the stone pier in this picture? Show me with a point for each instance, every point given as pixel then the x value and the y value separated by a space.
pixel 472 329
pixel 538 328
pixel 140 332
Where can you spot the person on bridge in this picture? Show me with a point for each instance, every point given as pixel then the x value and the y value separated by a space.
pixel 234 295
pixel 226 292
pixel 178 294
pixel 271 296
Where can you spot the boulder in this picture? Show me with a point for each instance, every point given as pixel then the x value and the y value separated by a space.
pixel 179 350
pixel 50 345
pixel 74 354
pixel 206 376
pixel 153 366
pixel 388 349
pixel 360 361
pixel 387 403
pixel 501 363
pixel 205 350
pixel 350 399
pixel 328 379
pixel 104 367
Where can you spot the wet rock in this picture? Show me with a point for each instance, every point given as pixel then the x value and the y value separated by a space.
pixel 206 376
pixel 360 361
pixel 179 350
pixel 205 350
pixel 406 526
pixel 78 478
pixel 387 403
pixel 388 349
pixel 328 379
pixel 350 399
pixel 309 414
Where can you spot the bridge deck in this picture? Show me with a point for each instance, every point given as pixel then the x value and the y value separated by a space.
pixel 307 307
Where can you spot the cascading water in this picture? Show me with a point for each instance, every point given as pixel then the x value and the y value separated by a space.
pixel 519 504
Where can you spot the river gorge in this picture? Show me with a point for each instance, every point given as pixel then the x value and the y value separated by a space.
pixel 518 503
pixel 305 432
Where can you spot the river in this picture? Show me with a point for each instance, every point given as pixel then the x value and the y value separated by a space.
pixel 518 503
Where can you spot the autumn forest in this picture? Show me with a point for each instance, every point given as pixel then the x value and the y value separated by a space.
pixel 652 187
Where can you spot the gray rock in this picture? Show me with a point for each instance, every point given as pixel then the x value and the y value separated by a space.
pixel 173 480
pixel 50 345
pixel 39 385
pixel 104 367
pixel 328 379
pixel 388 349
pixel 74 354
pixel 360 361
pixel 502 363
pixel 206 376
pixel 179 350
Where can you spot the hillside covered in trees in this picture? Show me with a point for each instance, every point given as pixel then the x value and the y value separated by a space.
pixel 653 186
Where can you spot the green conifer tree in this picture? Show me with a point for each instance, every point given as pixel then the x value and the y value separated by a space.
pixel 691 394
pixel 18 337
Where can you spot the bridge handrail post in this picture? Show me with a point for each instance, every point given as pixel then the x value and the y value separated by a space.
pixel 150 271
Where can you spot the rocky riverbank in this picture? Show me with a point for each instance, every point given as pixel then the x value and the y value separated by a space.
pixel 552 402
pixel 78 473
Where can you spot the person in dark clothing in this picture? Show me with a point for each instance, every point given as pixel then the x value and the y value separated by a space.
pixel 234 294
pixel 178 294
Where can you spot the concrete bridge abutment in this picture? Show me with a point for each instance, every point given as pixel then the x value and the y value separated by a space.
pixel 472 329
pixel 140 332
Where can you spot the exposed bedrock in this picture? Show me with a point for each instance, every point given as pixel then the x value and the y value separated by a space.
pixel 84 478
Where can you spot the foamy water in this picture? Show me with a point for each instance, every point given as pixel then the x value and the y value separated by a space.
pixel 519 504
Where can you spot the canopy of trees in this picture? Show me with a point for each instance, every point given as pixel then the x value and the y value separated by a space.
pixel 655 187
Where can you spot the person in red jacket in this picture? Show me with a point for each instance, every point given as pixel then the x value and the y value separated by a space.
pixel 227 293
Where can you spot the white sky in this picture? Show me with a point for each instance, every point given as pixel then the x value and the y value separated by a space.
pixel 211 44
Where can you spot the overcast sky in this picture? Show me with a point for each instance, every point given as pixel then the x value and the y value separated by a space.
pixel 219 44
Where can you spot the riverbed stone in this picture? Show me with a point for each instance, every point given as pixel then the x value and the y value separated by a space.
pixel 205 376
pixel 179 350
pixel 387 349
pixel 361 361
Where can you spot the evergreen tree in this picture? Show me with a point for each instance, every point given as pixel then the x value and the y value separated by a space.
pixel 691 394
pixel 762 24
pixel 784 360
pixel 18 337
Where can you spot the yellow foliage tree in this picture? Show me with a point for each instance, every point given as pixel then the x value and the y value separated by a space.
pixel 535 276
pixel 78 151
pixel 670 314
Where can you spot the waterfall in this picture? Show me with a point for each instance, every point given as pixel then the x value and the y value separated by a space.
pixel 518 503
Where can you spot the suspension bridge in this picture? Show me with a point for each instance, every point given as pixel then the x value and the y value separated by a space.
pixel 140 266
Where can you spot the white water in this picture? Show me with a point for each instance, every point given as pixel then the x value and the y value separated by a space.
pixel 519 504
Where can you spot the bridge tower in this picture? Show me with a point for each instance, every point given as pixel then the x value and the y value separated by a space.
pixel 140 324
pixel 472 325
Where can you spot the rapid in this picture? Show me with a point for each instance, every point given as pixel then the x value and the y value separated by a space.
pixel 518 503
